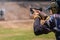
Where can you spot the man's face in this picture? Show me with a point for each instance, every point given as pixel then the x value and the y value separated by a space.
pixel 50 12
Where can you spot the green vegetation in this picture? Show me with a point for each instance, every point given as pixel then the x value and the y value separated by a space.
pixel 18 34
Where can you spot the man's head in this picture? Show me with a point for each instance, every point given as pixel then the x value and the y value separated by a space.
pixel 53 8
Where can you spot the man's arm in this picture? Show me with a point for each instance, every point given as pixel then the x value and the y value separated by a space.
pixel 40 29
pixel 52 23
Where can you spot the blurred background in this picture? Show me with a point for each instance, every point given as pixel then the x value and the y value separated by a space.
pixel 20 10
pixel 16 22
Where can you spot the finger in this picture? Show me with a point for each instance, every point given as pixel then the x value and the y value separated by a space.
pixel 34 10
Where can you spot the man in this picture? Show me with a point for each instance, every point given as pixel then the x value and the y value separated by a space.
pixel 52 24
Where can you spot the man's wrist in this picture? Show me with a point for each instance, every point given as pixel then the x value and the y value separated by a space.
pixel 37 18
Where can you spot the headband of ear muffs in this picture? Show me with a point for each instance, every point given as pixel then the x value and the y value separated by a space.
pixel 58 3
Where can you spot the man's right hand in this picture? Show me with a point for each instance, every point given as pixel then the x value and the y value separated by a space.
pixel 36 13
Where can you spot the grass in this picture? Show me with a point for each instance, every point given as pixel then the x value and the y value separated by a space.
pixel 18 34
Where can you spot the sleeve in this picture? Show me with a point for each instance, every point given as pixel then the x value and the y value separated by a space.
pixel 40 29
pixel 51 23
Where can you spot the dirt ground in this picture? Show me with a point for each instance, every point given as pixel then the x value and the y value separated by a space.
pixel 23 24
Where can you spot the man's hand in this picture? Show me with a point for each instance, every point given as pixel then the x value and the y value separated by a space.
pixel 36 13
pixel 42 22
